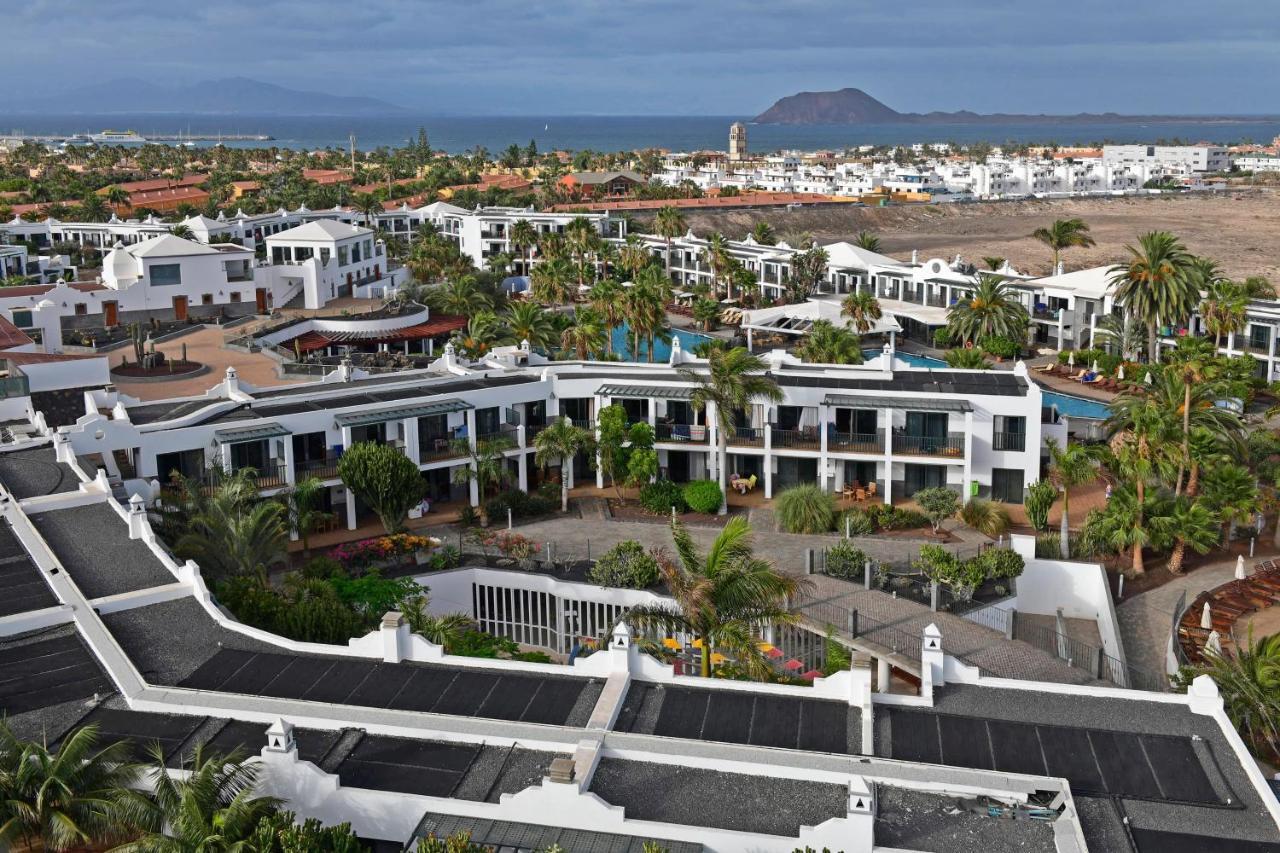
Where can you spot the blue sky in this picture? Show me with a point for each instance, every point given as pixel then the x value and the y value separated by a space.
pixel 658 57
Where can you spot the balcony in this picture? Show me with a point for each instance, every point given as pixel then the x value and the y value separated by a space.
pixel 531 430
pixel 584 423
pixel 504 434
pixel 951 444
pixel 1009 441
pixel 1256 346
pixel 325 468
pixel 856 442
pixel 936 301
pixel 681 433
pixel 433 448
pixel 746 437
pixel 269 476
pixel 798 439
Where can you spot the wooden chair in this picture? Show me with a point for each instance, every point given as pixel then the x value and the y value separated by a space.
pixel 871 489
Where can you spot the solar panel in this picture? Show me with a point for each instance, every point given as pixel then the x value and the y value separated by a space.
pixel 214 672
pixel 297 678
pixel 824 727
pixel 141 730
pixel 682 713
pixel 381 686
pixel 728 718
pixel 1016 747
pixel 965 742
pixel 553 702
pixel 511 698
pixel 776 722
pixel 339 682
pixel 398 764
pixel 46 673
pixel 1124 769
pixel 1155 841
pixel 467 692
pixel 23 588
pixel 1178 770
pixel 915 737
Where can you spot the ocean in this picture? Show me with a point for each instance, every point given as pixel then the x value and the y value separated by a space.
pixel 618 133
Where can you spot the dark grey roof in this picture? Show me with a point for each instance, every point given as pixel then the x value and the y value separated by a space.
pixel 991 383
pixel 505 834
pixel 93 543
pixel 35 472
pixel 253 433
pixel 438 407
pixel 873 401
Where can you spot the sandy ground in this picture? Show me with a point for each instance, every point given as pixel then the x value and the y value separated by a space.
pixel 205 346
pixel 1239 229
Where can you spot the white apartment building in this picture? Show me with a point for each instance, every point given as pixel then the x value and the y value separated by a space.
pixel 1256 163
pixel 486 231
pixel 1177 159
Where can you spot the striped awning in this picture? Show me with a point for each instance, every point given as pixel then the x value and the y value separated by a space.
pixel 253 433
pixel 654 391
pixel 401 413
pixel 915 404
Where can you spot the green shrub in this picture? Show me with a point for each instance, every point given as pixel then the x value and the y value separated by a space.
pixel 1048 546
pixel 858 523
pixel 987 517
pixel 897 518
pixel 846 561
pixel 322 568
pixel 1001 563
pixel 468 516
pixel 521 504
pixel 532 657
pixel 703 496
pixel 1038 501
pixel 804 509
pixel 626 565
pixel 658 498
pixel 942 338
pixel 962 577
pixel 967 359
pixel 478 644
pixel 1000 347
pixel 938 504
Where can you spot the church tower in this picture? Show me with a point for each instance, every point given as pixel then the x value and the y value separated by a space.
pixel 737 141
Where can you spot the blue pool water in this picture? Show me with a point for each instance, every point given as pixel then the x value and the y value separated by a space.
pixel 1072 407
pixel 661 351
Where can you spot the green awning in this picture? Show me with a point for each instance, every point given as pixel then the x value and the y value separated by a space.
pixel 401 413
pixel 655 391
pixel 253 433
pixel 915 404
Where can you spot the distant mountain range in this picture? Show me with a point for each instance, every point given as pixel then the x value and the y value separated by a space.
pixel 227 96
pixel 854 106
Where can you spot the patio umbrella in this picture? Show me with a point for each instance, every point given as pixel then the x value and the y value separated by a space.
pixel 1147 379
pixel 1071 358
pixel 1206 618
pixel 1214 643
pixel 1094 367
pixel 671 643
pixel 697 644
pixel 1240 575
pixel 1120 372
pixel 773 652
pixel 811 674
pixel 718 658
pixel 793 665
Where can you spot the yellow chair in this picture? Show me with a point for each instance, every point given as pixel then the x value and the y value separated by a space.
pixel 671 643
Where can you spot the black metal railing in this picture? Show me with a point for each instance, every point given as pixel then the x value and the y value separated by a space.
pixel 746 437
pixel 951 444
pixel 435 447
pixel 1009 441
pixel 325 468
pixel 857 442
pixel 691 433
pixel 800 439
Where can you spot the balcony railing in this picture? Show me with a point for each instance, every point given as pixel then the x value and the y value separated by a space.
pixel 432 448
pixel 799 439
pixel 505 433
pixel 936 302
pixel 951 444
pixel 325 468
pixel 856 442
pixel 584 423
pixel 269 476
pixel 1009 441
pixel 746 437
pixel 533 429
pixel 683 433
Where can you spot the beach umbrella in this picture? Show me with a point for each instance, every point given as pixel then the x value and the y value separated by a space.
pixel 1147 378
pixel 1094 367
pixel 793 665
pixel 811 674
pixel 1071 358
pixel 1240 568
pixel 1120 372
pixel 717 658
pixel 773 652
pixel 1206 618
pixel 1214 643
pixel 671 643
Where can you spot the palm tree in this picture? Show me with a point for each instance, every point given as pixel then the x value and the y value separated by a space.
pixel 93 208
pixel 1155 285
pixel 994 262
pixel 1121 333
pixel 1069 466
pixel 633 256
pixel 1224 309
pixel 717 257
pixel 1123 524
pixel 1064 234
pixel 644 307
pixel 992 311
pixel 867 240
pixel 1187 523
pixel 230 532
pixel 1232 491
pixel 524 237
pixel 967 359
pixel 550 280
pixel 302 509
pixel 587 334
pixel 606 300
pixel 369 207
pixel 527 321
pixel 74 798
pixel 734 380
pixel 864 308
pixel 826 343
pixel 182 231
pixel 723 598
pixel 1187 388
pixel 1248 679
pixel 669 223
pixel 1143 435
pixel 212 808
pixel 763 233
pixel 444 630
pixel 461 296
pixel 562 441
pixel 117 196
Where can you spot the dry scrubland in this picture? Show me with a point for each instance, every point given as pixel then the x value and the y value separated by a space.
pixel 1240 229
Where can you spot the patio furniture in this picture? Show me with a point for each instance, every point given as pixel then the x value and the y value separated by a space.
pixel 871 489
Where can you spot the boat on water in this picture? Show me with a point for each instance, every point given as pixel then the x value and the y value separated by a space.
pixel 118 137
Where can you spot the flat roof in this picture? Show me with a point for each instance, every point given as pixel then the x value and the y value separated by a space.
pixel 35 472
pixel 92 542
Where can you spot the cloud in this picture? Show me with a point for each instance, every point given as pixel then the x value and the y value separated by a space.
pixel 660 56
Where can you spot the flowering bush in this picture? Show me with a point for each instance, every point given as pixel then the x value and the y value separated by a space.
pixel 366 552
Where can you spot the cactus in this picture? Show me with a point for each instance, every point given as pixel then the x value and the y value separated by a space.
pixel 135 335
pixel 184 352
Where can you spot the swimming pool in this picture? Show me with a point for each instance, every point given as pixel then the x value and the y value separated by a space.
pixel 1072 407
pixel 661 351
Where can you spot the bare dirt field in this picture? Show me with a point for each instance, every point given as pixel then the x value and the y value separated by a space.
pixel 1240 229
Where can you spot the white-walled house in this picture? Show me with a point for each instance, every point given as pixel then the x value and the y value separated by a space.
pixel 327 259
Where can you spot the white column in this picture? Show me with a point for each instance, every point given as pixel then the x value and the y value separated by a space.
pixel 882 675
pixel 523 471
pixel 968 456
pixel 601 404
pixel 290 476
pixel 888 455
pixel 749 342
pixel 768 459
pixel 473 487
pixel 351 509
pixel 823 460
pixel 224 457
pixel 411 448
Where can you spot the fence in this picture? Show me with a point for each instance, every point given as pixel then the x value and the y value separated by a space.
pixel 1178 611
pixel 994 616
pixel 1087 658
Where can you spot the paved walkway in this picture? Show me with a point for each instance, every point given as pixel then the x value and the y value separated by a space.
pixel 205 346
pixel 1145 619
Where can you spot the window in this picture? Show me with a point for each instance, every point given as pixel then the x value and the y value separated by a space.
pixel 81 309
pixel 206 299
pixel 22 319
pixel 343 256
pixel 235 296
pixel 324 256
pixel 1010 433
pixel 1006 485
pixel 301 253
pixel 166 274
